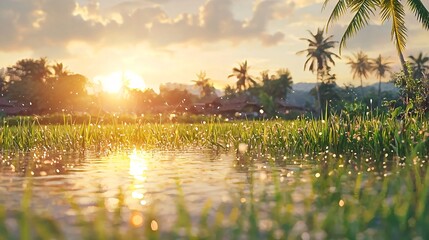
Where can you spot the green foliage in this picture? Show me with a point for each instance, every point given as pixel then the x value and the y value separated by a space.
pixel 349 134
pixel 279 85
pixel 329 96
pixel 320 57
pixel 361 66
pixel 175 96
pixel 414 92
pixel 268 103
pixel 420 66
pixel 202 82
pixel 36 88
pixel 392 11
pixel 244 79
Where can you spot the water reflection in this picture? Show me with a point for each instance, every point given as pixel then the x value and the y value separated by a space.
pixel 138 169
pixel 138 165
pixel 149 179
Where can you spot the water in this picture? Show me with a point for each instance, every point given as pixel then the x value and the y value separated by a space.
pixel 156 180
pixel 147 178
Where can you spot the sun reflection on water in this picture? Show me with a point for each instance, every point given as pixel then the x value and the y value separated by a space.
pixel 138 166
pixel 138 169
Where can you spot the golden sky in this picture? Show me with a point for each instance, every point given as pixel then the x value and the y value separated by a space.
pixel 172 40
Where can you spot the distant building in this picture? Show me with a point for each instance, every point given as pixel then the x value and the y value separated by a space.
pixel 242 105
pixel 8 108
pixel 285 108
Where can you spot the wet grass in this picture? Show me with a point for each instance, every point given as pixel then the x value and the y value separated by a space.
pixel 378 137
pixel 379 191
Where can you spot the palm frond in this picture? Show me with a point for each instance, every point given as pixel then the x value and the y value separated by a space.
pixel 362 10
pixel 252 81
pixel 338 11
pixel 306 62
pixel 394 10
pixel 420 11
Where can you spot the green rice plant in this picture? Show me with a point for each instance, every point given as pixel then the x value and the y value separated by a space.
pixel 376 136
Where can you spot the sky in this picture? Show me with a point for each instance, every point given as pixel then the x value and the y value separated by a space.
pixel 172 40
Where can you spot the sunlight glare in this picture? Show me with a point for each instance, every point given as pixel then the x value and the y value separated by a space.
pixel 118 81
pixel 138 166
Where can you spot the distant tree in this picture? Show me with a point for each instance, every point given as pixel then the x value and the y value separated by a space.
pixel 420 66
pixel 279 85
pixel 244 80
pixel 380 67
pixel 27 83
pixel 319 57
pixel 175 96
pixel 206 89
pixel 361 66
pixel 413 92
pixel 60 70
pixel 268 103
pixel 329 92
pixel 264 76
pixel 229 90
pixel 2 81
pixel 30 70
pixel 392 10
pixel 32 83
pixel 68 92
pixel 284 79
pixel 151 97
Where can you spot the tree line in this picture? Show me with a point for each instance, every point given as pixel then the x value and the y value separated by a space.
pixel 44 88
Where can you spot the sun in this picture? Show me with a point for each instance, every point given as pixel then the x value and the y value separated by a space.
pixel 116 82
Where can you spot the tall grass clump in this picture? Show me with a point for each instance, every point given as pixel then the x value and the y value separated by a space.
pixel 379 137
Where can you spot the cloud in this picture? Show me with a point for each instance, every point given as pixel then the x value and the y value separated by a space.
pixel 37 25
pixel 34 24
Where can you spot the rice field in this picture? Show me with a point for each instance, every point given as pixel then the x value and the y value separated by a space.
pixel 378 137
pixel 338 178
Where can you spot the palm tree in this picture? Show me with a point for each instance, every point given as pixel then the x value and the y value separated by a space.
pixel 229 90
pixel 380 67
pixel 206 89
pixel 389 10
pixel 264 76
pixel 243 77
pixel 278 86
pixel 420 65
pixel 284 79
pixel 60 70
pixel 361 66
pixel 319 56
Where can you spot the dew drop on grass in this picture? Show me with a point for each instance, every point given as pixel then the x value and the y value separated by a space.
pixel 154 225
pixel 242 147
